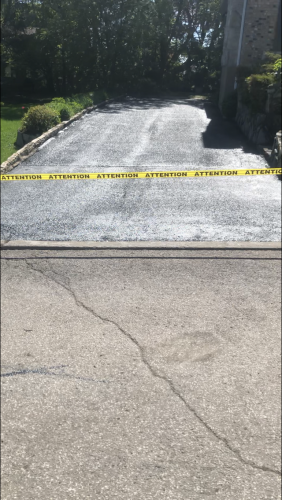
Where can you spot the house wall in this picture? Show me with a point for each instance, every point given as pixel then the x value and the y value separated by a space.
pixel 233 11
pixel 262 28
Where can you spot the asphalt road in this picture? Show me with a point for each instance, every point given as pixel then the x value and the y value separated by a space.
pixel 150 134
pixel 141 375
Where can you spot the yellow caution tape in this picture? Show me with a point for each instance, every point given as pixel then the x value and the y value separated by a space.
pixel 138 175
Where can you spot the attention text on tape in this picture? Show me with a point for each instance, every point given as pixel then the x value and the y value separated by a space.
pixel 138 175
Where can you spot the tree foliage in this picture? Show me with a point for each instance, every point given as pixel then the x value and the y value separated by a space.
pixel 254 82
pixel 72 46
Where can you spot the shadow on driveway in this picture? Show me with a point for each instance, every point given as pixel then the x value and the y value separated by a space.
pixel 220 133
pixel 133 103
pixel 224 134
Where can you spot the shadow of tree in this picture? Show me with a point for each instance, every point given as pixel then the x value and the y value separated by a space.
pixel 133 103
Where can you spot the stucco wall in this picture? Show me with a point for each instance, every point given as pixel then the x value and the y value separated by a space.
pixel 230 46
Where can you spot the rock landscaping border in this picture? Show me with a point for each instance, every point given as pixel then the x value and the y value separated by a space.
pixel 31 148
pixel 273 157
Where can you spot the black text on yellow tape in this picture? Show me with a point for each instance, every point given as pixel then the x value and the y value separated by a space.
pixel 138 175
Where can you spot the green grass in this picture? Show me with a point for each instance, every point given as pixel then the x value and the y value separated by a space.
pixel 11 116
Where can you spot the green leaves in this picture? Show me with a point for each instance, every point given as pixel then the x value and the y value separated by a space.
pixel 39 119
pixel 78 46
pixel 254 82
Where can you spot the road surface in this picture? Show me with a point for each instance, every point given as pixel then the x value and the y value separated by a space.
pixel 141 375
pixel 148 134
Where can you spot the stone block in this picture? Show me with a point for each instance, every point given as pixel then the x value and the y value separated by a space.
pixel 23 139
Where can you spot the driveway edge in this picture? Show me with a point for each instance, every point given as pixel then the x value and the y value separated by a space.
pixel 30 149
pixel 139 245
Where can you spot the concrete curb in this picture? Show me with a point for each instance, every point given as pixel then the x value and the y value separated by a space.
pixel 30 149
pixel 138 245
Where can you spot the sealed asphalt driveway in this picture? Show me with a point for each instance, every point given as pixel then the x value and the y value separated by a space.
pixel 138 135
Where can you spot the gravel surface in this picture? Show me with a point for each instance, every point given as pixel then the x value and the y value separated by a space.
pixel 138 135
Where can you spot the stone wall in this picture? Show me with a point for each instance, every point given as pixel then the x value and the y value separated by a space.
pixel 262 128
pixel 277 151
pixel 253 125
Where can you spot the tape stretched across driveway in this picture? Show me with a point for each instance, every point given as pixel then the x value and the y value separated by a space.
pixel 138 175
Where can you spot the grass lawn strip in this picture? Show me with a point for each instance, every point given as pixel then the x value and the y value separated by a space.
pixel 11 116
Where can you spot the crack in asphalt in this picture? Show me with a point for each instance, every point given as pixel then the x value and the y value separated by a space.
pixel 44 370
pixel 47 372
pixel 154 372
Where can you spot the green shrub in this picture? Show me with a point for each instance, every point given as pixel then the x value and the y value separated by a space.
pixel 2 104
pixel 83 100
pixel 74 107
pixel 278 66
pixel 39 119
pixel 254 82
pixel 229 105
pixel 255 91
pixel 58 101
pixel 56 104
pixel 65 113
pixel 65 107
pixel 272 63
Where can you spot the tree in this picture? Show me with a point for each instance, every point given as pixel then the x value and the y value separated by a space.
pixel 69 46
